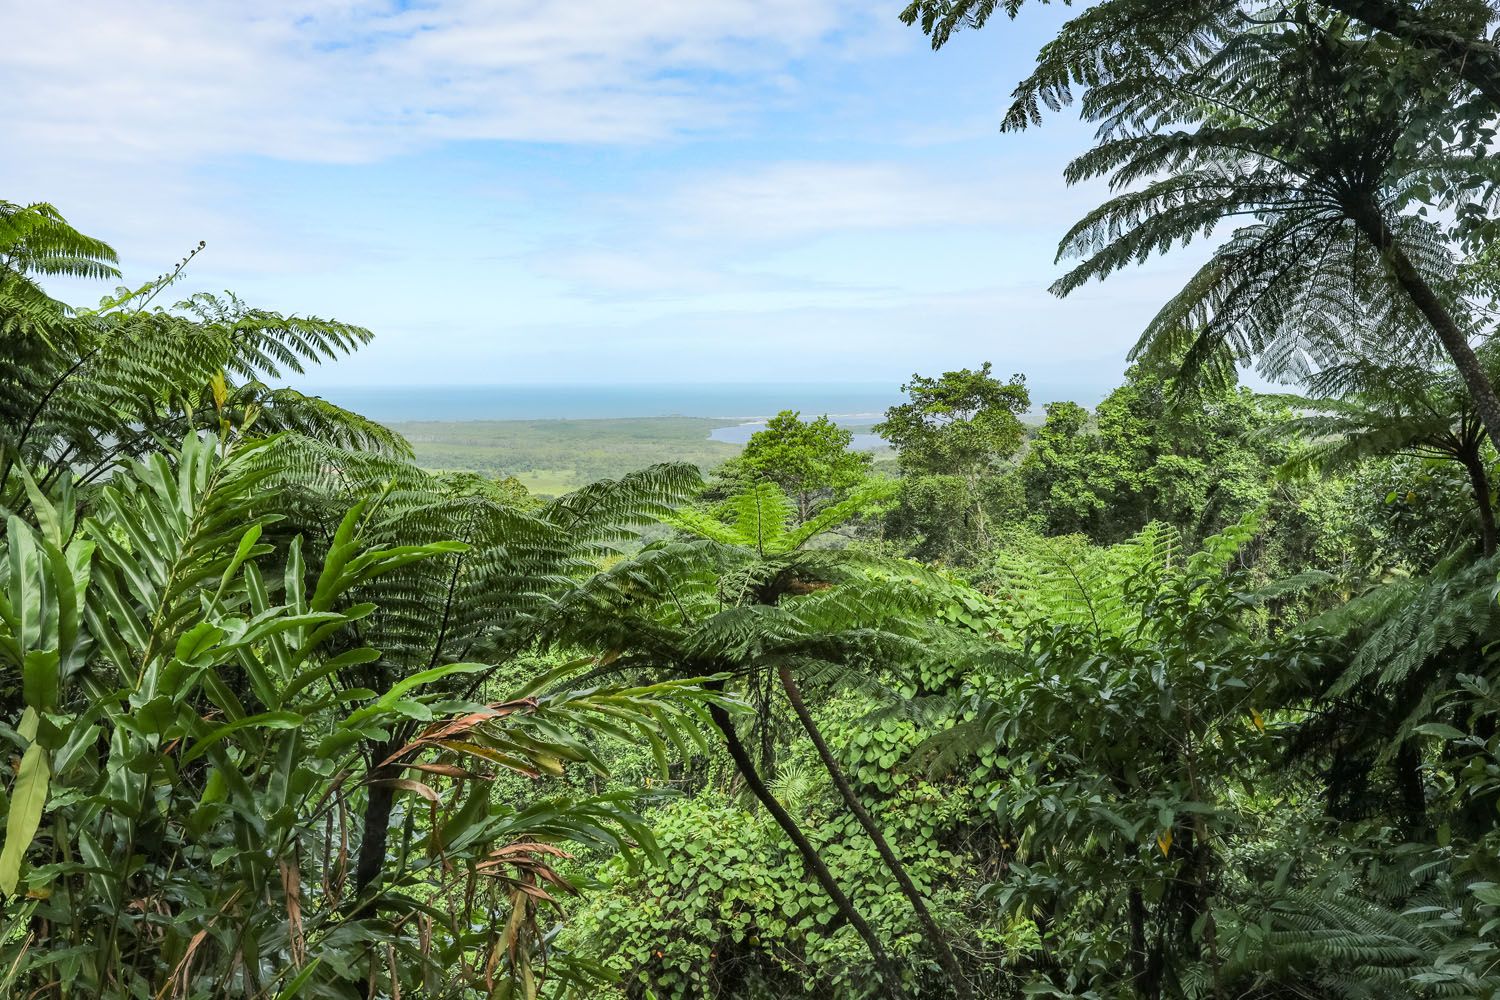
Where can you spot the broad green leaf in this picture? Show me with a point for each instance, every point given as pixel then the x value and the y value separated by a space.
pixel 39 679
pixel 28 799
pixel 294 988
pixel 265 720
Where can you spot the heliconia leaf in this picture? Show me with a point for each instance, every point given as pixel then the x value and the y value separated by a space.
pixel 294 988
pixel 388 700
pixel 39 679
pixel 1164 841
pixel 46 514
pixel 29 721
pixel 265 720
pixel 339 553
pixel 197 641
pixel 485 753
pixel 244 551
pixel 446 770
pixel 26 598
pixel 28 799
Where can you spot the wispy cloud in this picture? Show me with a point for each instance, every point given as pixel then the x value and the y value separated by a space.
pixel 796 200
pixel 748 229
pixel 531 188
pixel 350 81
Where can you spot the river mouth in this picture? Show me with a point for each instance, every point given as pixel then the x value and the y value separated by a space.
pixel 861 424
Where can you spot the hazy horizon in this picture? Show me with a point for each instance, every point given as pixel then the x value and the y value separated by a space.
pixel 576 400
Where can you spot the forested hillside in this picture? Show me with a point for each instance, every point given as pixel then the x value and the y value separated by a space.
pixel 1190 694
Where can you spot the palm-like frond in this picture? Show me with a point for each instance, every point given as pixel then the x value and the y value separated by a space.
pixel 1217 111
pixel 1066 581
pixel 1378 405
pixel 37 242
pixel 112 384
pixel 1400 628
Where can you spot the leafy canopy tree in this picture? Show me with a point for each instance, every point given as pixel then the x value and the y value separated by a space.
pixel 948 519
pixel 1197 464
pixel 809 459
pixel 960 424
pixel 1056 470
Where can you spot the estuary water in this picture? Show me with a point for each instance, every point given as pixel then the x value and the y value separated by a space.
pixel 740 401
pixel 860 424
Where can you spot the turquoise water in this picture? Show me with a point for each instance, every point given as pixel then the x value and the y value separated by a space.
pixel 731 401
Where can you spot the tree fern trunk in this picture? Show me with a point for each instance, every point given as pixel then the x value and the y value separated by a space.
pixel 810 857
pixel 893 864
pixel 1479 481
pixel 1413 796
pixel 1372 223
pixel 381 796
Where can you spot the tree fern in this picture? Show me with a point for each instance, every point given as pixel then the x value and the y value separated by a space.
pixel 90 389
pixel 1400 629
pixel 1210 112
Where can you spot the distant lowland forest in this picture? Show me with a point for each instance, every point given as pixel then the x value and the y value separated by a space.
pixel 551 457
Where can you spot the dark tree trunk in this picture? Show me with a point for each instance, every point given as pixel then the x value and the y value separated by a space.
pixel 1137 915
pixel 1372 223
pixel 381 796
pixel 1408 767
pixel 810 858
pixel 893 864
pixel 1475 60
pixel 1479 481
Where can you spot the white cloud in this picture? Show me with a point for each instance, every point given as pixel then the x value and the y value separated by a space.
pixel 811 220
pixel 349 81
pixel 815 232
pixel 798 200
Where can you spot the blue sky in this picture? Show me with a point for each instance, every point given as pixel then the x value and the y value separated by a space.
pixel 589 191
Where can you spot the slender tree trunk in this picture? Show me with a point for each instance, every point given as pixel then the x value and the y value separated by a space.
pixel 381 796
pixel 1479 480
pixel 810 858
pixel 1372 223
pixel 1408 767
pixel 893 864
pixel 981 532
pixel 1202 863
pixel 1136 907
